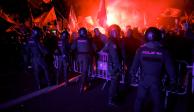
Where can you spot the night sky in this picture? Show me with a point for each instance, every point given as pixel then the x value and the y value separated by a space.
pixel 20 8
pixel 13 7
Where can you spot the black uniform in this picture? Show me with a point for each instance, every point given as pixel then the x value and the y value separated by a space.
pixel 62 53
pixel 114 57
pixel 112 49
pixel 151 58
pixel 84 49
pixel 37 56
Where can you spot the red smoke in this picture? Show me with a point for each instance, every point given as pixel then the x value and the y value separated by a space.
pixel 137 13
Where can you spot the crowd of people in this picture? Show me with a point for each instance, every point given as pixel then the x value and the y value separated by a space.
pixel 153 51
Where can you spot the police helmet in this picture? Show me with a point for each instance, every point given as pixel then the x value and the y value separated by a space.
pixel 83 32
pixel 36 32
pixel 153 34
pixel 65 34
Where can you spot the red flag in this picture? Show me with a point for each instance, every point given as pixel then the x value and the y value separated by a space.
pixel 40 18
pixel 102 17
pixel 11 29
pixel 51 16
pixel 72 19
pixel 6 17
pixel 46 17
pixel 9 20
pixel 14 28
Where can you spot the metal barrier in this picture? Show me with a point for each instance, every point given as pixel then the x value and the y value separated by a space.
pixel 76 67
pixel 135 79
pixel 56 61
pixel 193 78
pixel 182 85
pixel 103 67
pixel 100 68
pixel 192 68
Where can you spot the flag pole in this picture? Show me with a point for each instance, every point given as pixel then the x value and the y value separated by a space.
pixel 58 13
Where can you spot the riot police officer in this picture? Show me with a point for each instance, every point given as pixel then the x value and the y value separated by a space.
pixel 62 53
pixel 37 56
pixel 151 58
pixel 112 48
pixel 84 49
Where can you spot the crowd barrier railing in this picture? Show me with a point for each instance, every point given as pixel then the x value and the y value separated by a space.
pixel 182 81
